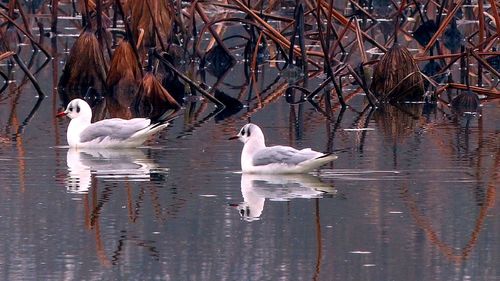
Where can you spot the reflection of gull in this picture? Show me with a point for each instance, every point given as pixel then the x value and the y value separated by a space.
pixel 116 164
pixel 256 188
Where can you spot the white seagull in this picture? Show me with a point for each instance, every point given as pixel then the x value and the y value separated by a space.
pixel 115 132
pixel 257 158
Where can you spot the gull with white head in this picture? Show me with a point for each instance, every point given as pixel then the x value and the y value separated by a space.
pixel 256 157
pixel 115 132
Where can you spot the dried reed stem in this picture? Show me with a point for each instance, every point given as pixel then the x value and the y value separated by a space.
pixel 255 52
pixel 443 26
pixel 25 33
pixel 485 64
pixel 204 17
pixel 206 94
pixel 269 30
pixel 55 7
pixel 359 38
pixel 6 55
pixel 492 93
pixel 345 22
pixel 495 15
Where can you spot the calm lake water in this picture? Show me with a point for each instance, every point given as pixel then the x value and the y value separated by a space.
pixel 412 195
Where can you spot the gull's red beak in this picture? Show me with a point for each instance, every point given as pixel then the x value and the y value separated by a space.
pixel 233 138
pixel 61 114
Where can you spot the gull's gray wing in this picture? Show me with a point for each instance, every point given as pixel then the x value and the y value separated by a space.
pixel 283 155
pixel 115 128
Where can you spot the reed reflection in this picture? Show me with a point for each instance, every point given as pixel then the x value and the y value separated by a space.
pixel 399 121
pixel 255 189
pixel 108 164
pixel 96 173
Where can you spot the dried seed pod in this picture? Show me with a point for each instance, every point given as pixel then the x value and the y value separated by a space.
pixel 396 77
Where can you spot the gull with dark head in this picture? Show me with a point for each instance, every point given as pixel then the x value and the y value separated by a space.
pixel 256 157
pixel 115 132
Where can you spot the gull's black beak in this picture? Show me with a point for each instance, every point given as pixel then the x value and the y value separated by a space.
pixel 234 137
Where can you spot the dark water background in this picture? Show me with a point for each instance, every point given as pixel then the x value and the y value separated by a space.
pixel 411 197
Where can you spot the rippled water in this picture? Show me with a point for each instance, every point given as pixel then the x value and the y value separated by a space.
pixel 411 197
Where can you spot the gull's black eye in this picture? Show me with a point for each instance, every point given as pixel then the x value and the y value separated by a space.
pixel 77 109
pixel 243 132
pixel 70 108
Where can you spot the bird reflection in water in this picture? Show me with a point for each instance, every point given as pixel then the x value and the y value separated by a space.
pixel 256 188
pixel 85 166
pixel 108 164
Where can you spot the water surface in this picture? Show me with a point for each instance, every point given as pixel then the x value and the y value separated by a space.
pixel 412 195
